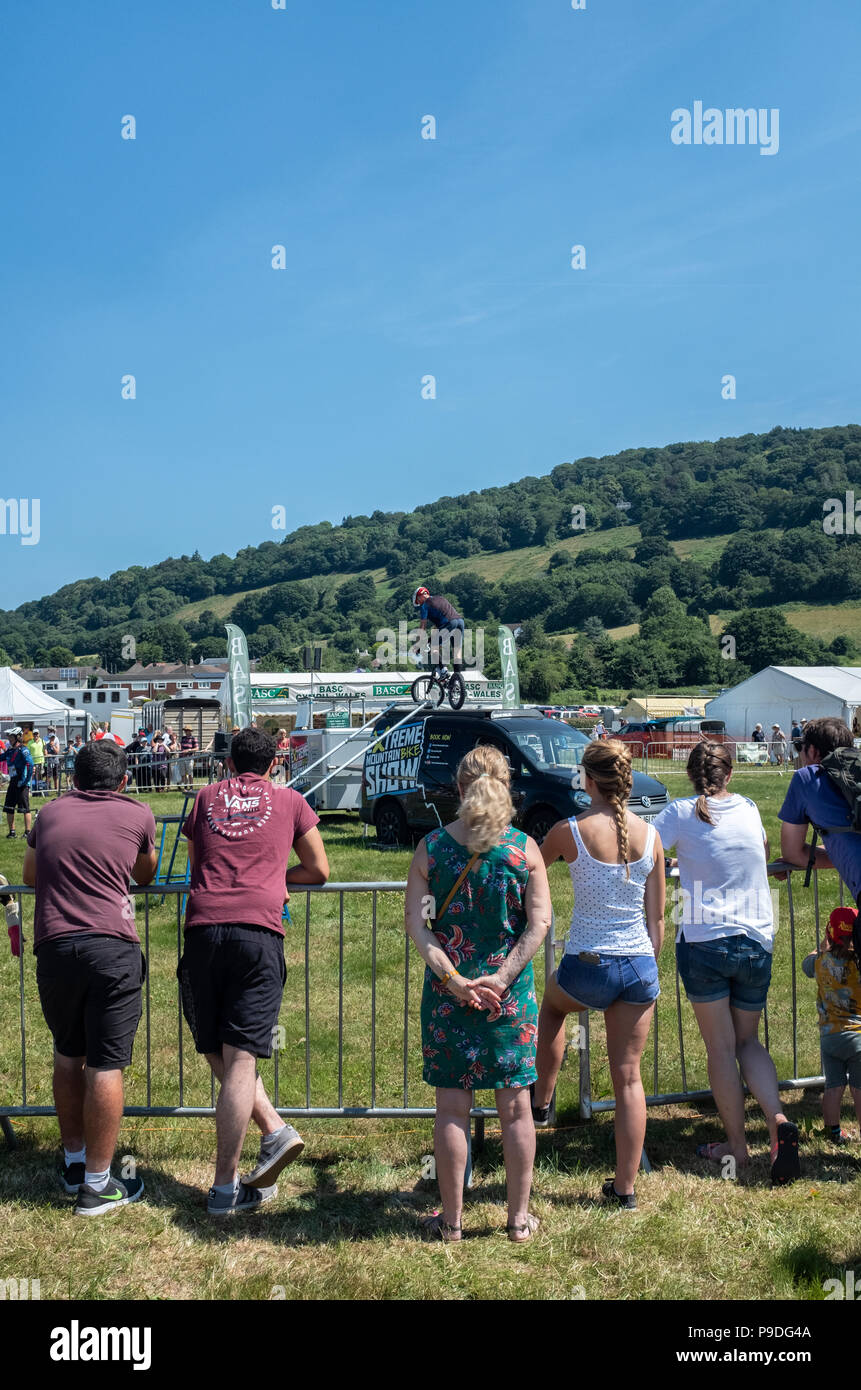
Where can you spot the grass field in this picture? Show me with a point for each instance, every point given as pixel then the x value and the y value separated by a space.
pixel 344 1223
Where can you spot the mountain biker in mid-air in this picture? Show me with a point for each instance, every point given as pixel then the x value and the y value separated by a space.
pixel 437 611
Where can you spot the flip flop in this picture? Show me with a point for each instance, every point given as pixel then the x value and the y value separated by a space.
pixel 708 1151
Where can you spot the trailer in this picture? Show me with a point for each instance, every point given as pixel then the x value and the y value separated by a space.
pixel 339 760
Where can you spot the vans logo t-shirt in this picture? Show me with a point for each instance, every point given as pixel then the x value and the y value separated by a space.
pixel 243 831
pixel 239 810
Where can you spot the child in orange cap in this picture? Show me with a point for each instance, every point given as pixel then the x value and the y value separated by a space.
pixel 835 969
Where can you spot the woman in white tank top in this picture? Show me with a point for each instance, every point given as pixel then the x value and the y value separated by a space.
pixel 610 962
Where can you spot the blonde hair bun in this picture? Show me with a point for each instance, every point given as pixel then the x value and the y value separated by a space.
pixel 486 809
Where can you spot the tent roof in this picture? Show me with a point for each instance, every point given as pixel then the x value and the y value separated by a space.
pixel 20 700
pixel 842 681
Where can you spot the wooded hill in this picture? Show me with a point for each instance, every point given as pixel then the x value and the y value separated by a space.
pixel 663 538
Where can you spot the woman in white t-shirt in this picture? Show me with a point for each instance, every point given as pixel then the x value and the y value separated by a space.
pixel 724 949
pixel 610 962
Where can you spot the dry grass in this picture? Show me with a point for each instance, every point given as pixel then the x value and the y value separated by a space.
pixel 344 1223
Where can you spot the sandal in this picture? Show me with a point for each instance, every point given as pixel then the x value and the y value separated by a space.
pixel 708 1151
pixel 434 1227
pixel 524 1232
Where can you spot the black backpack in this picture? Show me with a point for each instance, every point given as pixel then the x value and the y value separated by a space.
pixel 842 767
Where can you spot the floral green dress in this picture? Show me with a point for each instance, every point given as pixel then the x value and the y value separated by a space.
pixel 485 919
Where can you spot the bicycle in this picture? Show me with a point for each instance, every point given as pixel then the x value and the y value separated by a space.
pixel 434 687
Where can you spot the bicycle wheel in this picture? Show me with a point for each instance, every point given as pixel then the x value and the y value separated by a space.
pixel 456 690
pixel 428 688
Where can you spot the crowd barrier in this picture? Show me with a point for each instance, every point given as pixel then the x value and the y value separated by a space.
pixel 679 1017
pixel 386 1035
pixel 658 758
pixel 384 1031
pixel 146 776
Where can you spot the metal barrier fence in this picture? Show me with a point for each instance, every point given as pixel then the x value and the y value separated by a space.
pixel 196 768
pixel 677 1061
pixel 386 1036
pixel 379 952
pixel 657 758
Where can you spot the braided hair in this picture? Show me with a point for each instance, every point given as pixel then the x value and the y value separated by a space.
pixel 608 763
pixel 709 767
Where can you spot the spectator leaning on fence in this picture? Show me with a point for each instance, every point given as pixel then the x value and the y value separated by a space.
pixel 758 736
pixel 490 910
pixel 240 833
pixel 811 800
pixel 724 949
pixel 610 961
pixel 20 766
pixel 89 965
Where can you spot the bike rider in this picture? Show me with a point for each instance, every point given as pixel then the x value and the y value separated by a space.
pixel 437 611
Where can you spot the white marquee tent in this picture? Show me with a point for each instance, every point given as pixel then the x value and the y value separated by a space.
pixel 19 700
pixel 782 694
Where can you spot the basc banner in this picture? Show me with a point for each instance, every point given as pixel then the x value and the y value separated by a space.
pixel 510 678
pixel 240 682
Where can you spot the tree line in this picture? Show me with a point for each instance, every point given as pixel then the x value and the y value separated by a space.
pixel 768 490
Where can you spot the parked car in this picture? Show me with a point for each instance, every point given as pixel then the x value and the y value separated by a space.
pixel 408 778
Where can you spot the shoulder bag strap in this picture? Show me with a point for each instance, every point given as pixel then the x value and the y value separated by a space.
pixel 467 870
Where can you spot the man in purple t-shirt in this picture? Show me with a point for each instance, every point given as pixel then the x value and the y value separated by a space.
pixel 240 833
pixel 81 853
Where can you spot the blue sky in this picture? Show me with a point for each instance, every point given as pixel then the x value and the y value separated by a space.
pixel 405 257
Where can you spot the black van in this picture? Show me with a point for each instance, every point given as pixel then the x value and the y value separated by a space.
pixel 408 778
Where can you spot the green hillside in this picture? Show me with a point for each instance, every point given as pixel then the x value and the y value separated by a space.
pixel 619 571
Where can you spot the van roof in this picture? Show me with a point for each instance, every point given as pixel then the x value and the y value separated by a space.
pixel 523 712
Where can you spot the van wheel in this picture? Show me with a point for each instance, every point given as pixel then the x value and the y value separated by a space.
pixel 391 824
pixel 539 822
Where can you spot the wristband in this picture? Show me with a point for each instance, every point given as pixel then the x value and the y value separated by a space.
pixel 444 979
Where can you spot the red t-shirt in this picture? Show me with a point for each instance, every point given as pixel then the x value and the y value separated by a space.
pixel 86 845
pixel 242 831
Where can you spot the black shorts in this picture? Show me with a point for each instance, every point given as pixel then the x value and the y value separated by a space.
pixel 17 797
pixel 90 991
pixel 231 979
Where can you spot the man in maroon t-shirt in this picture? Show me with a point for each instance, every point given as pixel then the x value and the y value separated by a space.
pixel 81 852
pixel 240 833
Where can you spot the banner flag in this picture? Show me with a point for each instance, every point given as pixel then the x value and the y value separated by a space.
pixel 240 680
pixel 510 678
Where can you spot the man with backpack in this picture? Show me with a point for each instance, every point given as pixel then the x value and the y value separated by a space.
pixel 825 793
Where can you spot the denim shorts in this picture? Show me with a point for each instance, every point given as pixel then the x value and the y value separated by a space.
pixel 633 979
pixel 731 967
pixel 841 1059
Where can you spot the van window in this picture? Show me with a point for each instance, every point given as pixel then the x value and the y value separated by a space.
pixel 556 746
pixel 508 751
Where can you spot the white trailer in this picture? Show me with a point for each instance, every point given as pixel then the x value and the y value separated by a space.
pixel 339 762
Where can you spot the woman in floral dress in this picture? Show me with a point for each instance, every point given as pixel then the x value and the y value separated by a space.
pixel 479 1011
